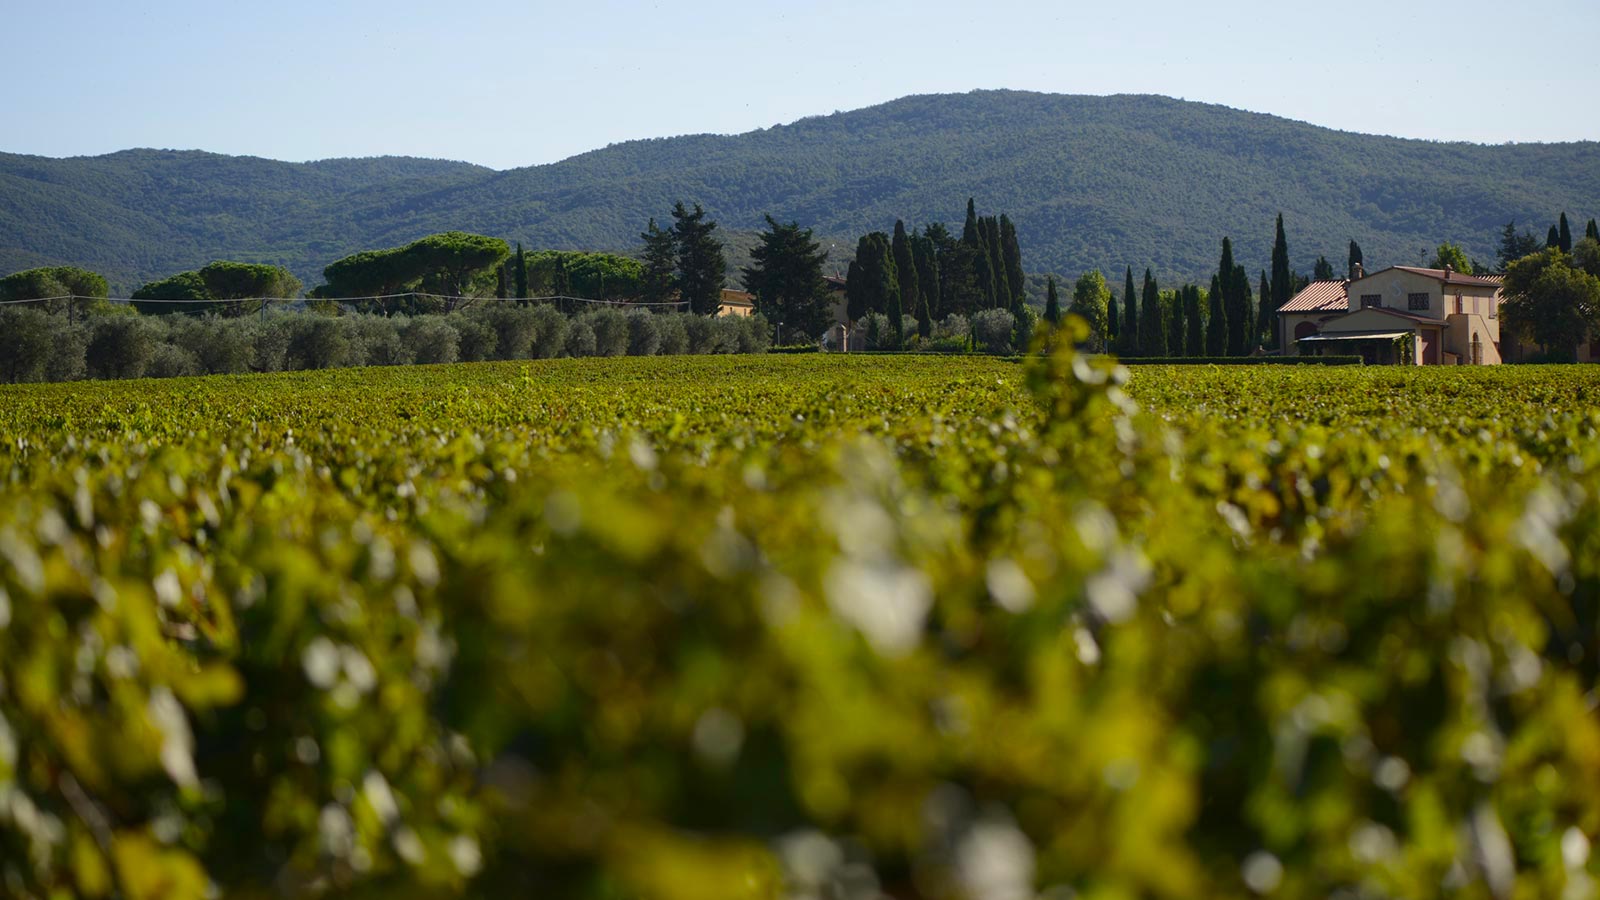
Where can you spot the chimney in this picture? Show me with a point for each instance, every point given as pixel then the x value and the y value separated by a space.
pixel 1356 271
pixel 1448 271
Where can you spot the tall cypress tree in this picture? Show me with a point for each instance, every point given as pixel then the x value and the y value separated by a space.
pixel 1564 235
pixel 1266 335
pixel 1282 286
pixel 1194 343
pixel 1011 251
pixel 905 266
pixel 1225 282
pixel 1152 330
pixel 786 277
pixel 1130 317
pixel 660 263
pixel 969 231
pixel 1217 324
pixel 927 265
pixel 997 262
pixel 855 288
pixel 983 275
pixel 952 262
pixel 1112 326
pixel 1552 240
pixel 702 269
pixel 522 272
pixel 1052 304
pixel 1592 232
pixel 1174 316
pixel 1246 309
pixel 875 277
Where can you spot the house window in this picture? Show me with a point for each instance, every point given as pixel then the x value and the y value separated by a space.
pixel 1371 300
pixel 1477 351
pixel 1417 301
pixel 1461 305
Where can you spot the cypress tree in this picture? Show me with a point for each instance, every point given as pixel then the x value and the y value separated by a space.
pixel 855 288
pixel 521 273
pixel 897 317
pixel 1217 324
pixel 1564 235
pixel 660 263
pixel 1052 304
pixel 786 277
pixel 905 266
pixel 702 269
pixel 1355 256
pixel 1282 286
pixel 1111 324
pixel 1265 314
pixel 1230 304
pixel 927 266
pixel 969 231
pixel 983 274
pixel 1174 319
pixel 1130 317
pixel 1012 253
pixel 1592 232
pixel 875 275
pixel 1194 343
pixel 952 267
pixel 1552 240
pixel 1246 310
pixel 997 262
pixel 1152 330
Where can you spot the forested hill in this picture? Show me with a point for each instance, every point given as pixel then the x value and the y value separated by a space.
pixel 1090 181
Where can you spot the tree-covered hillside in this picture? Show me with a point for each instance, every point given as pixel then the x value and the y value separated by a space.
pixel 1090 182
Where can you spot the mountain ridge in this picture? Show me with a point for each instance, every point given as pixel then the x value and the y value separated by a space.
pixel 1092 181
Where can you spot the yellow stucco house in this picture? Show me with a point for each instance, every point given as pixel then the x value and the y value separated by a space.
pixel 736 303
pixel 1402 315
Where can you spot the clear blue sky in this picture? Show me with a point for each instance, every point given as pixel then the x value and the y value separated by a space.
pixel 508 84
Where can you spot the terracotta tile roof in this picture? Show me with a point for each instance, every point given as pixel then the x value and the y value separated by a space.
pixel 1447 277
pixel 1319 296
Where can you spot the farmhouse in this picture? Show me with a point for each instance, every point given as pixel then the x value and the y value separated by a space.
pixel 1402 315
pixel 736 303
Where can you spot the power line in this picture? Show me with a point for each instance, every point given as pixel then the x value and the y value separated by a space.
pixel 673 304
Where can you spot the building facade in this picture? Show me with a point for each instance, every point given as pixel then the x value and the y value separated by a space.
pixel 1402 315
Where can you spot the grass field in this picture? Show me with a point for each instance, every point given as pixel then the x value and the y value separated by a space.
pixel 802 626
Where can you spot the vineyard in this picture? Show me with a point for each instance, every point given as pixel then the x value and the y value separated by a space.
pixel 802 626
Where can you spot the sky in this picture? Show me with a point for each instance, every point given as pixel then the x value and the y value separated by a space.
pixel 507 84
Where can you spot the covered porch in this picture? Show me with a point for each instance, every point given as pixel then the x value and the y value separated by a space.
pixel 1376 348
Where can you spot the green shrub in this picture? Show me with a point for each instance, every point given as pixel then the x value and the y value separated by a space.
pixel 475 341
pixel 580 338
pixel 318 342
pixel 430 339
pixel 550 332
pixel 674 331
pixel 644 333
pixel 994 330
pixel 610 327
pixel 120 347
